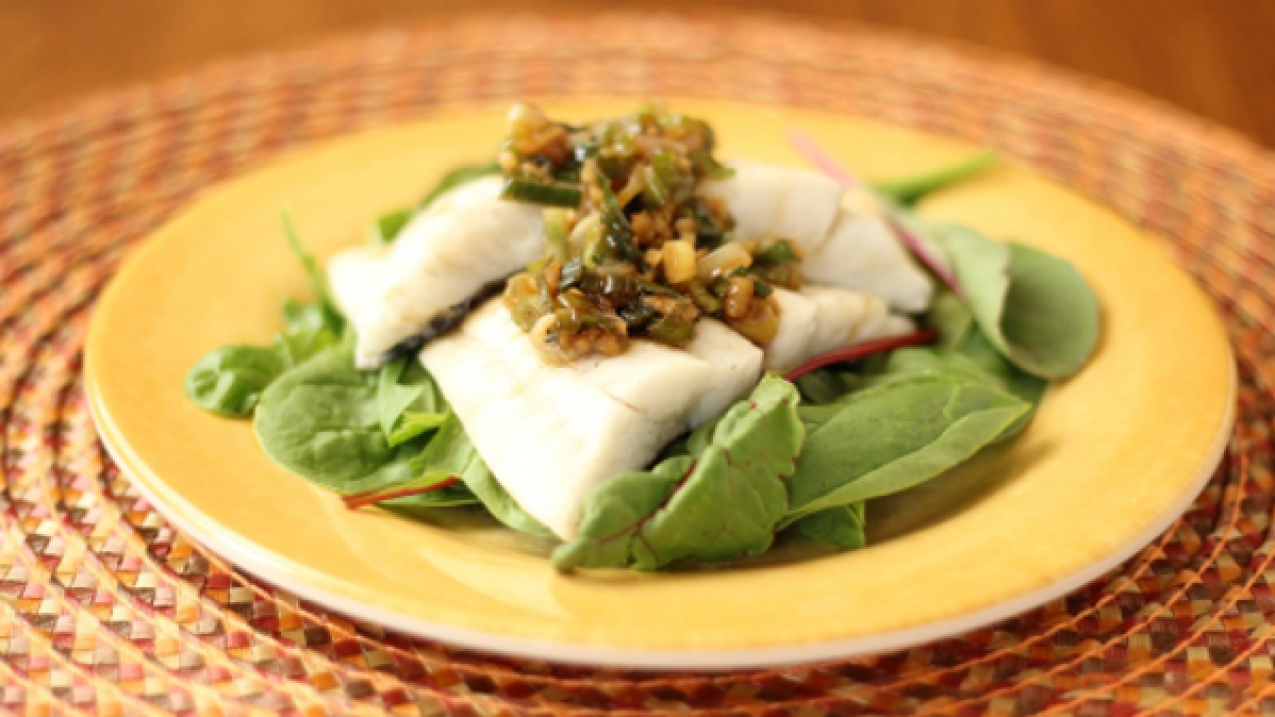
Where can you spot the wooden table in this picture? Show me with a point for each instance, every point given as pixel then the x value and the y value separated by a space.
pixel 1212 57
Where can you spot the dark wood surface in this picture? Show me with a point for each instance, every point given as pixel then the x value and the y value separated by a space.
pixel 1215 58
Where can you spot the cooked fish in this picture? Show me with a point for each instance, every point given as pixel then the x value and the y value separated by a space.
pixel 845 236
pixel 443 257
pixel 818 319
pixel 861 253
pixel 777 203
pixel 551 433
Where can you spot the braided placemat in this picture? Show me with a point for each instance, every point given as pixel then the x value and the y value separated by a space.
pixel 110 611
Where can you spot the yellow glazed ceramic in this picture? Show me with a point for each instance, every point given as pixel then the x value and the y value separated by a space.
pixel 1113 456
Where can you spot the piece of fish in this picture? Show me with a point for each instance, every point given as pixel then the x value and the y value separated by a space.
pixel 818 319
pixel 443 257
pixel 552 433
pixel 770 202
pixel 845 236
pixel 861 253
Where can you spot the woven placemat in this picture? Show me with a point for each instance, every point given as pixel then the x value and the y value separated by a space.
pixel 108 610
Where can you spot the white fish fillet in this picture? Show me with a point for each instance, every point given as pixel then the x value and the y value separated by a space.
pixel 550 434
pixel 861 253
pixel 818 319
pixel 777 202
pixel 467 239
pixel 844 234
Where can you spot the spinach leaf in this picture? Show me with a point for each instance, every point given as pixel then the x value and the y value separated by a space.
pixel 320 421
pixel 455 178
pixel 412 424
pixel 896 435
pixel 230 380
pixel 1034 308
pixel 451 453
pixel 305 318
pixel 302 339
pixel 909 190
pixel 976 362
pixel 323 421
pixel 392 398
pixel 842 525
pixel 387 226
pixel 721 501
pixel 331 315
pixel 408 402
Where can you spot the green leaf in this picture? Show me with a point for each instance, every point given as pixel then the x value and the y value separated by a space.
pixel 896 435
pixel 909 190
pixel 388 226
pixel 842 525
pixel 721 501
pixel 412 424
pixel 1034 308
pixel 305 318
pixel 230 380
pixel 320 421
pixel 451 452
pixel 319 280
pixel 455 178
pixel 392 398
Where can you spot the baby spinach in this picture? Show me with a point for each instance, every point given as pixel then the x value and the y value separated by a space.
pixel 721 501
pixel 408 402
pixel 320 421
pixel 451 452
pixel 389 225
pixel 909 190
pixel 229 381
pixel 411 424
pixel 1034 308
pixel 325 421
pixel 330 313
pixel 456 177
pixel 842 525
pixel 890 437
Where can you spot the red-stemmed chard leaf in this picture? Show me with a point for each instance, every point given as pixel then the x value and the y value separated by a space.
pixel 365 498
pixel 861 351
pixel 806 145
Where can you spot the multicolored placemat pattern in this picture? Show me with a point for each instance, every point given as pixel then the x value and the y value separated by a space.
pixel 109 611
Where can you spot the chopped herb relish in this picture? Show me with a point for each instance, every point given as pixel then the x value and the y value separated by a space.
pixel 631 251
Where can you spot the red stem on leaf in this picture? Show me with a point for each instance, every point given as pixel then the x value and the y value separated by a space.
pixel 863 350
pixel 805 144
pixel 355 501
pixel 923 255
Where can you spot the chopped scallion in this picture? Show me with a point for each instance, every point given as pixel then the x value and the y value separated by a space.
pixel 551 195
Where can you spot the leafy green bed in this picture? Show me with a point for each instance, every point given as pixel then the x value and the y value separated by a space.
pixel 802 455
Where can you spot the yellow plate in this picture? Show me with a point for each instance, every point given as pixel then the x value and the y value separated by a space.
pixel 1113 456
